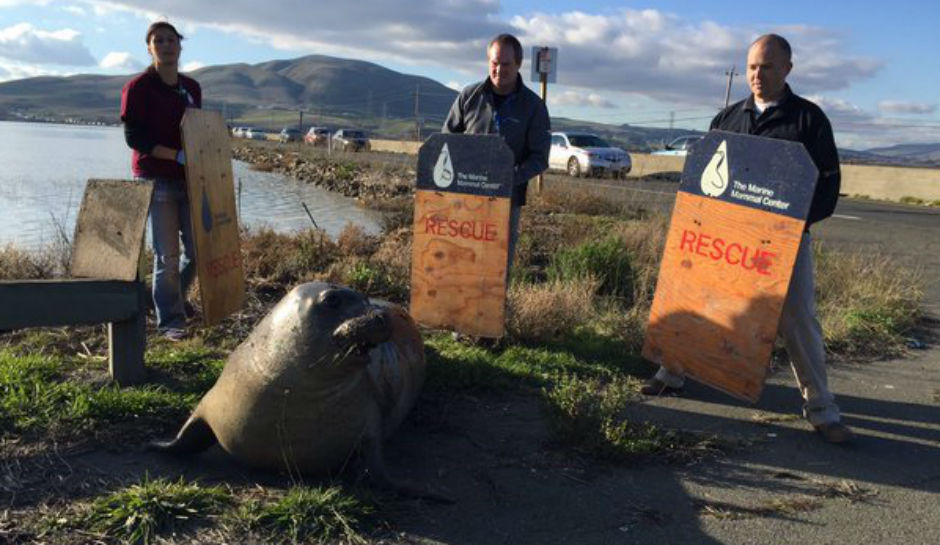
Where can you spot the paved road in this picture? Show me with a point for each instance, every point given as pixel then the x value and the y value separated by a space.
pixel 886 484
pixel 911 234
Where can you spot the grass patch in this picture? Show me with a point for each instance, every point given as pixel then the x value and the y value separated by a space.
pixel 547 311
pixel 142 512
pixel 455 366
pixel 305 515
pixel 607 262
pixel 35 396
pixel 586 415
pixel 867 304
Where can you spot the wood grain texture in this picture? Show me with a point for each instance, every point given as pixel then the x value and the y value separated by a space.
pixel 717 305
pixel 215 223
pixel 458 270
pixel 110 230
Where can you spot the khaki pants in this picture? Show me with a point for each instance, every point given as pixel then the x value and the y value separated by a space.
pixel 802 335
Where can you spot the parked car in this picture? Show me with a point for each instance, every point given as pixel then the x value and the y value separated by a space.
pixel 253 133
pixel 289 135
pixel 679 146
pixel 317 136
pixel 350 140
pixel 239 132
pixel 581 154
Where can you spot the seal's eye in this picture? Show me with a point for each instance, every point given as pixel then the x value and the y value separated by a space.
pixel 331 299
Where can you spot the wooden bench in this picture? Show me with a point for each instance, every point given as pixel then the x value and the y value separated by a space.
pixel 49 303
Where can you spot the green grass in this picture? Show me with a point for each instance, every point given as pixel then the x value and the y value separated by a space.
pixel 142 512
pixel 36 395
pixel 608 261
pixel 586 414
pixel 307 515
pixel 455 366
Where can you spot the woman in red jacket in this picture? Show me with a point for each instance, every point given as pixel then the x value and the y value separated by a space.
pixel 152 107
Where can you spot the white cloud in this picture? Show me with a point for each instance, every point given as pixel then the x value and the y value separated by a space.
pixel 12 3
pixel 858 128
pixel 25 43
pixel 905 107
pixel 75 10
pixel 120 60
pixel 575 98
pixel 648 52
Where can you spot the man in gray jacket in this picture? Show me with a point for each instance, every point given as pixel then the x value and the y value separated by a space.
pixel 502 105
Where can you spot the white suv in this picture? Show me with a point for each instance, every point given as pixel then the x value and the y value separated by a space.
pixel 581 154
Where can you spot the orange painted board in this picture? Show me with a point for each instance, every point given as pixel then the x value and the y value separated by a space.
pixel 211 189
pixel 723 279
pixel 459 257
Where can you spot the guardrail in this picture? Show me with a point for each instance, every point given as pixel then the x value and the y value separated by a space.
pixel 48 303
pixel 892 183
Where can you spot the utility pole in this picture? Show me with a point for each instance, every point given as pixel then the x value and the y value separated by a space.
pixel 731 74
pixel 417 121
pixel 300 122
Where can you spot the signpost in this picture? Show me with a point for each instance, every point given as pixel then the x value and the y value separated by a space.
pixel 461 234
pixel 739 216
pixel 212 206
pixel 544 69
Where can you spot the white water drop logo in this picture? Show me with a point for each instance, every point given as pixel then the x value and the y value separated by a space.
pixel 715 176
pixel 443 169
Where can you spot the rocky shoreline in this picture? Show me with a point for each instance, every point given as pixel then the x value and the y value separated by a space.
pixel 350 178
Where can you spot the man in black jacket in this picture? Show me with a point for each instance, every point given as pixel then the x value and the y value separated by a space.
pixel 502 105
pixel 773 111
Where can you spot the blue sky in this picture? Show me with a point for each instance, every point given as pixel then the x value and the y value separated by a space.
pixel 874 67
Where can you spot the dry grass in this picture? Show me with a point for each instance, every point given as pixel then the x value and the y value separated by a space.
pixel 286 259
pixel 17 264
pixel 562 199
pixel 866 303
pixel 544 312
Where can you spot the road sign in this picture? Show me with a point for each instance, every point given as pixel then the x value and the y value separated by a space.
pixel 544 63
pixel 212 204
pixel 735 233
pixel 461 234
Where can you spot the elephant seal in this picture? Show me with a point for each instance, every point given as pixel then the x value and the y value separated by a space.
pixel 325 374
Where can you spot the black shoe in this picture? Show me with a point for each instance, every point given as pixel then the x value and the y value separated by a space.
pixel 656 387
pixel 836 433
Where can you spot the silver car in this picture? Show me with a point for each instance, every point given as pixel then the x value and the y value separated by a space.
pixel 582 154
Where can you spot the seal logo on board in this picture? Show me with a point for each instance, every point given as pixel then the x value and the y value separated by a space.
pixel 715 179
pixel 443 169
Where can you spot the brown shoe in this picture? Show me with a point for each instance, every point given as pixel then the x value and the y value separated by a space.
pixel 835 433
pixel 656 387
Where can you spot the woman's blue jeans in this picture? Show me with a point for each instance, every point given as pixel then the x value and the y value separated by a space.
pixel 173 272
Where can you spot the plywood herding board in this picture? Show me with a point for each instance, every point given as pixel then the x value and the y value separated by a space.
pixel 715 313
pixel 109 233
pixel 458 267
pixel 208 150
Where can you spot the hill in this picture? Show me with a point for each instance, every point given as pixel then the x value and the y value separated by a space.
pixel 316 84
pixel 317 89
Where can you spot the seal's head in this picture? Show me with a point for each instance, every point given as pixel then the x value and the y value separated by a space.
pixel 318 327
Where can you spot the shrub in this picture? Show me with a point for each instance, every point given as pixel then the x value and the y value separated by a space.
pixel 547 311
pixel 867 304
pixel 607 261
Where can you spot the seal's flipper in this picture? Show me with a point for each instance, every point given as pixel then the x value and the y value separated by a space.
pixel 194 436
pixel 376 475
